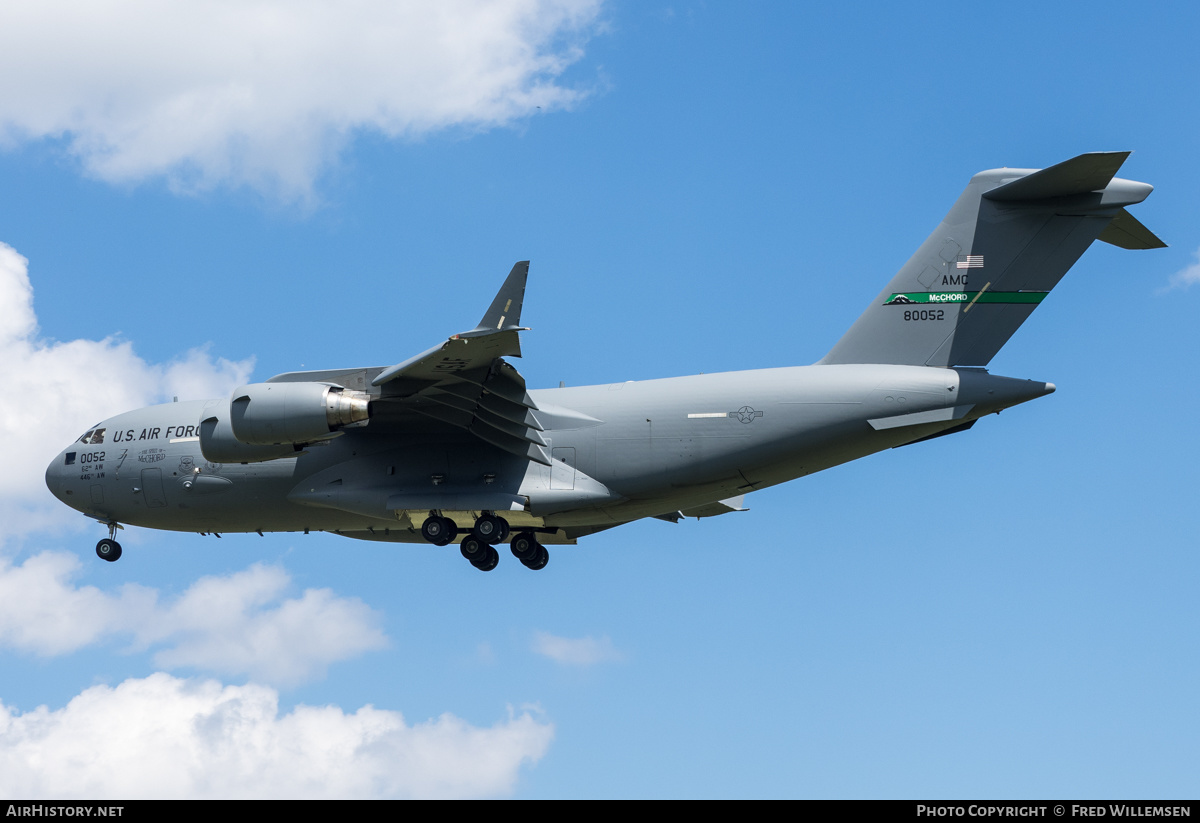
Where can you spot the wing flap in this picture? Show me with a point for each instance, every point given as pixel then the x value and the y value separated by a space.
pixel 484 417
pixel 465 382
pixel 513 445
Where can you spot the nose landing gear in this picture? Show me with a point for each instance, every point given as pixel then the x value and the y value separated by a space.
pixel 108 548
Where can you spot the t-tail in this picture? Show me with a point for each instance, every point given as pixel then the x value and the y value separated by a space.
pixel 1005 244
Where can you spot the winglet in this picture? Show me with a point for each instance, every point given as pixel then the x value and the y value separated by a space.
pixel 505 311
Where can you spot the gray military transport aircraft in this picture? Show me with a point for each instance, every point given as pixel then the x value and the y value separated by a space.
pixel 449 446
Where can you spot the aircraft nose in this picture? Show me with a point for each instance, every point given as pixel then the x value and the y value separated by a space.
pixel 54 476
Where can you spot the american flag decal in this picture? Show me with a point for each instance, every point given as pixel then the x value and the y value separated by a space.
pixel 970 261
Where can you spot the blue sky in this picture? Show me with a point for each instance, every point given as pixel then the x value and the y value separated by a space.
pixel 700 187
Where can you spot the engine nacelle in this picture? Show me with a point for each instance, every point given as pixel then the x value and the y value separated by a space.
pixel 268 421
pixel 218 444
pixel 268 414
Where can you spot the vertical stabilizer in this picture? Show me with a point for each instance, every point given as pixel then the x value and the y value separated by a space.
pixel 1005 244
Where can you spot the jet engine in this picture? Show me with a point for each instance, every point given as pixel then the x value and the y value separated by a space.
pixel 266 414
pixel 266 421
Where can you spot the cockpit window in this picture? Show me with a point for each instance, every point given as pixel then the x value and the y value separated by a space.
pixel 92 437
pixel 87 438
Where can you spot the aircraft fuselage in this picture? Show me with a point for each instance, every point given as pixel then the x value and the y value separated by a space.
pixel 655 448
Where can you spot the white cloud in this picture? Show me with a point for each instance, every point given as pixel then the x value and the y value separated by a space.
pixel 58 389
pixel 41 612
pixel 166 737
pixel 233 624
pixel 575 651
pixel 1185 277
pixel 263 93
pixel 227 624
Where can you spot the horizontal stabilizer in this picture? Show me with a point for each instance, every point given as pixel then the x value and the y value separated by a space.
pixel 1127 232
pixel 1079 175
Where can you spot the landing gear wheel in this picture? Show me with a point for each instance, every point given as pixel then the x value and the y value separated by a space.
pixel 480 554
pixel 539 561
pixel 532 554
pixel 473 548
pixel 440 531
pixel 524 547
pixel 491 529
pixel 109 550
pixel 490 561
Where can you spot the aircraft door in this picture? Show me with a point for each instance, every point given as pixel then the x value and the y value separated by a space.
pixel 562 470
pixel 152 489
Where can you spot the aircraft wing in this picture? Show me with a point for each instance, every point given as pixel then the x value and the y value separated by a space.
pixel 466 383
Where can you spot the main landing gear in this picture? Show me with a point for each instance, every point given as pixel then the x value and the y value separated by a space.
pixel 481 555
pixel 530 552
pixel 440 531
pixel 108 548
pixel 478 545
